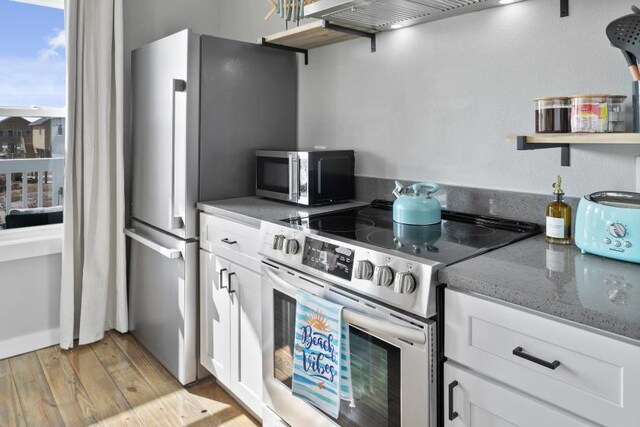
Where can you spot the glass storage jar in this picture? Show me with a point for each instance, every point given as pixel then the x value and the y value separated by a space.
pixel 616 113
pixel 552 114
pixel 589 113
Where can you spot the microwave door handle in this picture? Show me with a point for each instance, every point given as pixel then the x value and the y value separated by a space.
pixel 294 177
pixel 290 177
pixel 372 324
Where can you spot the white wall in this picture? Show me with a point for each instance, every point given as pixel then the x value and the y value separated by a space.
pixel 437 100
pixel 30 304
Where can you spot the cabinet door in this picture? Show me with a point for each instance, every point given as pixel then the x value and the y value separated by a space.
pixel 215 327
pixel 246 348
pixel 472 401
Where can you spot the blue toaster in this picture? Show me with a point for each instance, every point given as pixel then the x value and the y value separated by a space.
pixel 608 224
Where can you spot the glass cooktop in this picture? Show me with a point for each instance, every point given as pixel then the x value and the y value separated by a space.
pixel 459 236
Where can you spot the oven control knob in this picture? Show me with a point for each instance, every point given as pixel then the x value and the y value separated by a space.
pixel 278 241
pixel 290 247
pixel 617 230
pixel 404 283
pixel 382 276
pixel 363 270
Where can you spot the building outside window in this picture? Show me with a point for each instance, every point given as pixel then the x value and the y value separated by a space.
pixel 32 134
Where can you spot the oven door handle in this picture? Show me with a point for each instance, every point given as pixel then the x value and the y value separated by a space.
pixel 372 324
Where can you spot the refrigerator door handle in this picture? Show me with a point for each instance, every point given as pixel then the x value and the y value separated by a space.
pixel 178 85
pixel 169 253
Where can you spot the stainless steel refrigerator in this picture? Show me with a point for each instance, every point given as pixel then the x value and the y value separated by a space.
pixel 201 106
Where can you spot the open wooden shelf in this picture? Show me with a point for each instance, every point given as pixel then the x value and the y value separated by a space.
pixel 308 36
pixel 580 138
pixel 316 34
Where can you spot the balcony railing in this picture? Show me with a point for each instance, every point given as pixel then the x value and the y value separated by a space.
pixel 35 183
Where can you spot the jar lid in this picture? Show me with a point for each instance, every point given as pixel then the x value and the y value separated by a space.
pixel 597 95
pixel 552 98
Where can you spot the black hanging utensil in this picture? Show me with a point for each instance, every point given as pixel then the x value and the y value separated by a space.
pixel 624 33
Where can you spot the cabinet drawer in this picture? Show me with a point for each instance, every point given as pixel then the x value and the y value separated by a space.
pixel 233 240
pixel 473 401
pixel 589 374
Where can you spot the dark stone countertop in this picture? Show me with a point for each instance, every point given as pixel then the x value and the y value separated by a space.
pixel 556 280
pixel 552 279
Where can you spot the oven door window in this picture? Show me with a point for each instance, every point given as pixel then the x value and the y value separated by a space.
pixel 375 370
pixel 272 174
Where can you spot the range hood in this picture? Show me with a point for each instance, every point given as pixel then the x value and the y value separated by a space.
pixel 384 15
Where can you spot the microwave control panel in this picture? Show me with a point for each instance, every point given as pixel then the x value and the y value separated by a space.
pixel 327 257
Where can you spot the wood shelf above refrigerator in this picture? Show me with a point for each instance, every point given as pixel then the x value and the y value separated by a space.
pixel 315 34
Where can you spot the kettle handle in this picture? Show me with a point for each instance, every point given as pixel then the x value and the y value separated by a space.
pixel 399 190
pixel 431 188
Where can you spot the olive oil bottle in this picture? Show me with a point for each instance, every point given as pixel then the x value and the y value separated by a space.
pixel 558 217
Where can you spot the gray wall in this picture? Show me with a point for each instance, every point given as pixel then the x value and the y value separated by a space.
pixel 437 100
pixel 30 300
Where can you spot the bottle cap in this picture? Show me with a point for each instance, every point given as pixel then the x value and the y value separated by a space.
pixel 557 186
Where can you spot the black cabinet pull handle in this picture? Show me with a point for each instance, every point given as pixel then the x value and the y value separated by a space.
pixel 229 291
pixel 452 414
pixel 228 242
pixel 519 351
pixel 222 270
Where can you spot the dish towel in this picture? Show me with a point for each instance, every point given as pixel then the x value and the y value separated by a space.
pixel 322 363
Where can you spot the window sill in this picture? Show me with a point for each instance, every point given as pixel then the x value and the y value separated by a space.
pixel 30 242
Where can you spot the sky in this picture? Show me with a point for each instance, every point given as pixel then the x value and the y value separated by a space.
pixel 32 55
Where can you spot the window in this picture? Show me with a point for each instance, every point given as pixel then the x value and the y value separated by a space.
pixel 60 131
pixel 33 75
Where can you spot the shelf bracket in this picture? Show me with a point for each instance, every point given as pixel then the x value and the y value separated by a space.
pixel 565 158
pixel 264 42
pixel 564 8
pixel 335 27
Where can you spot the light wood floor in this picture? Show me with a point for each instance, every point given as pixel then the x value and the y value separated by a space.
pixel 115 382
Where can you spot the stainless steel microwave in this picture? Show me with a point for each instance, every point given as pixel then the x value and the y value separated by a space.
pixel 306 177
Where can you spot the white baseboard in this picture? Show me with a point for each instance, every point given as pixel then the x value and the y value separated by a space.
pixel 26 343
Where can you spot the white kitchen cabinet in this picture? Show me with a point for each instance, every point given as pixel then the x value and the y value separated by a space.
pixel 246 353
pixel 230 307
pixel 474 401
pixel 594 376
pixel 215 312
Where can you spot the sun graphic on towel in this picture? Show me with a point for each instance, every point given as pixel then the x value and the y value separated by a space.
pixel 318 322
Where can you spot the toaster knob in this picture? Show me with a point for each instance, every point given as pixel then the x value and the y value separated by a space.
pixel 363 270
pixel 382 276
pixel 617 230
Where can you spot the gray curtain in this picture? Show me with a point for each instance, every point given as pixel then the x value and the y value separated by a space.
pixel 93 297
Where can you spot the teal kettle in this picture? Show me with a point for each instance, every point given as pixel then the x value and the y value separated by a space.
pixel 414 204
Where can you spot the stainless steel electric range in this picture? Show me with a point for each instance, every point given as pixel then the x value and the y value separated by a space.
pixel 384 274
